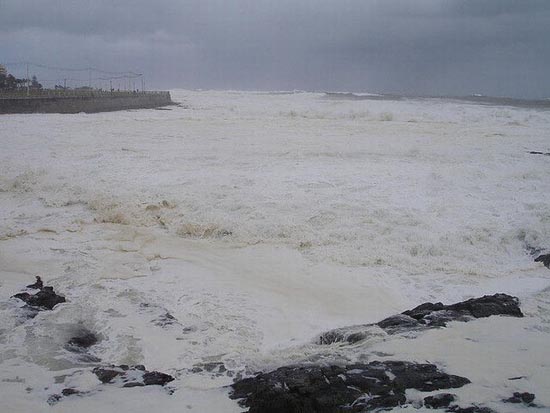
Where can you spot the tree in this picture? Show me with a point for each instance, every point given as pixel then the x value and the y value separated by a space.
pixel 10 82
pixel 35 84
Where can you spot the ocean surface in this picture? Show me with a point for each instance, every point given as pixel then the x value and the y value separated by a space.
pixel 259 220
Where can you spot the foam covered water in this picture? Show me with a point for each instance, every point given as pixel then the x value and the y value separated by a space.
pixel 258 221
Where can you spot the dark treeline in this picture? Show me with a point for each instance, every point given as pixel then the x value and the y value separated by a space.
pixel 10 82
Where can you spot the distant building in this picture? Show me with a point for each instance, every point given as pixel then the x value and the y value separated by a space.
pixel 3 71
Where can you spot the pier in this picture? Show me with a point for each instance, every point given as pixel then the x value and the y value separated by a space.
pixel 76 101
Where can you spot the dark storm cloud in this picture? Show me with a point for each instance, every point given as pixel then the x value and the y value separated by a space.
pixel 499 47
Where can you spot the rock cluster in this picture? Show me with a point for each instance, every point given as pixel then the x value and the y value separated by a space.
pixel 353 388
pixel 431 315
pixel 44 299
pixel 439 401
pixel 525 398
pixel 124 375
pixel 131 376
pixel 376 385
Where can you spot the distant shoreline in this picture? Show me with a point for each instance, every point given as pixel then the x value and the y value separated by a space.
pixel 480 99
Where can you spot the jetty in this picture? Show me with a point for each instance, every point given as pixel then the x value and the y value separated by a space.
pixel 78 100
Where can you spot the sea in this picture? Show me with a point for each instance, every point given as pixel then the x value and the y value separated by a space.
pixel 220 237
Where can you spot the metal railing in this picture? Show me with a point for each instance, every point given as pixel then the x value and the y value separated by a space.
pixel 73 93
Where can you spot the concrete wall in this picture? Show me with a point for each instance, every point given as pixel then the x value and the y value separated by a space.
pixel 88 104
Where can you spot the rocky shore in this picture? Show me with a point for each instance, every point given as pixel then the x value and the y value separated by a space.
pixel 322 387
pixel 375 385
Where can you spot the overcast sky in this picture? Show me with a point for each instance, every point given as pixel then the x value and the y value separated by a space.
pixel 494 47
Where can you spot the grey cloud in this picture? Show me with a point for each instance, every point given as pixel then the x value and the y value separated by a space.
pixel 423 46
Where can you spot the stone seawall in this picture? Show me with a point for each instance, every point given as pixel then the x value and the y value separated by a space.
pixel 104 102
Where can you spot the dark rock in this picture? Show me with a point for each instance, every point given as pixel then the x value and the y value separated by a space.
pixel 488 305
pixel 132 376
pixel 470 409
pixel 156 378
pixel 53 399
pixel 309 389
pixel 38 285
pixel 518 397
pixel 165 320
pixel 80 343
pixel 45 298
pixel 418 313
pixel 399 321
pixel 545 259
pixel 106 375
pixel 439 400
pixel 68 392
pixel 84 340
pixel 430 315
pixel 214 367
pixel 539 153
pixel 356 337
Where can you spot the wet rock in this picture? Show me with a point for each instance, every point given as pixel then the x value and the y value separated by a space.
pixel 439 401
pixel 45 298
pixel 69 391
pixel 84 340
pixel 106 375
pixel 54 398
pixel 214 367
pixel 38 285
pixel 358 387
pixel 165 320
pixel 431 315
pixel 80 343
pixel 131 376
pixel 486 306
pixel 516 378
pixel 470 409
pixel 526 398
pixel 156 378
pixel 399 321
pixel 545 259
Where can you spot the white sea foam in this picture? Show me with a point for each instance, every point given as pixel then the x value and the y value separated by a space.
pixel 259 221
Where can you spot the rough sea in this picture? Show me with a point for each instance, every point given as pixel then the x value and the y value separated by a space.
pixel 221 237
